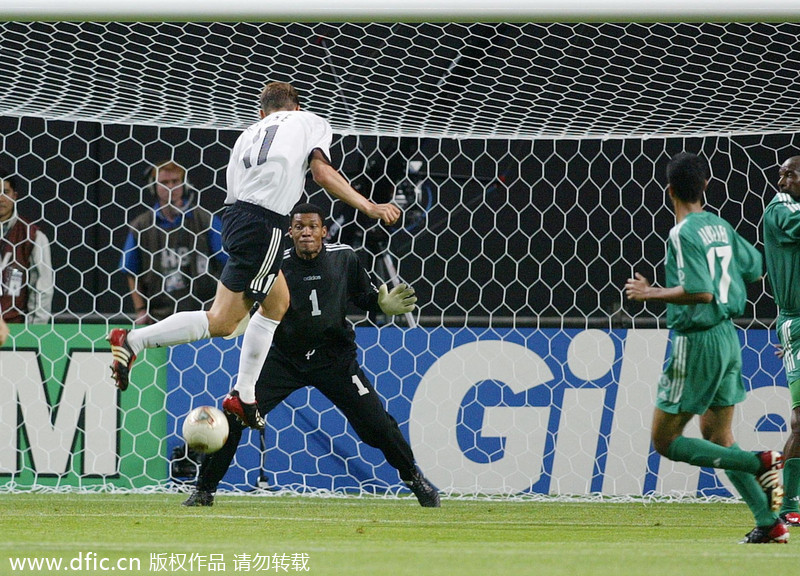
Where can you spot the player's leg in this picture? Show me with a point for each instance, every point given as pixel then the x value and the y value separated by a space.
pixel 740 466
pixel 790 510
pixel 716 427
pixel 669 441
pixel 716 422
pixel 272 388
pixel 241 401
pixel 226 312
pixel 355 396
pixel 700 366
pixel 788 330
pixel 252 238
pixel 762 491
pixel 258 337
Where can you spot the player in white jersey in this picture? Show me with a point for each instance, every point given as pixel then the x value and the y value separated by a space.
pixel 265 167
pixel 266 176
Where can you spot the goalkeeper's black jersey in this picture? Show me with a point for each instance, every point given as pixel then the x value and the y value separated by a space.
pixel 315 331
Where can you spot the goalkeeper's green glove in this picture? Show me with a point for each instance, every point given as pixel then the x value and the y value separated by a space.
pixel 399 301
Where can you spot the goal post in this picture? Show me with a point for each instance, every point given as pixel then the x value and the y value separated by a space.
pixel 529 160
pixel 407 11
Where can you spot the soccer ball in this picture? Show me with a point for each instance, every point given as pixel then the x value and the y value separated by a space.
pixel 205 429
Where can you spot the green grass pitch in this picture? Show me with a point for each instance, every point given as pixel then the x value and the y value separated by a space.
pixel 350 536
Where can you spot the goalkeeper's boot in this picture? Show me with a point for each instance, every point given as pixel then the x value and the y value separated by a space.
pixel 769 477
pixel 247 414
pixel 200 498
pixel 123 357
pixel 776 533
pixel 790 518
pixel 426 493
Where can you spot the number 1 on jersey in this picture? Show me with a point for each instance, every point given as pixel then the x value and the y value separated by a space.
pixel 360 385
pixel 266 142
pixel 315 311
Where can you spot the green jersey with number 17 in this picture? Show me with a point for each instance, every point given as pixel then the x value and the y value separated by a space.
pixel 782 250
pixel 705 254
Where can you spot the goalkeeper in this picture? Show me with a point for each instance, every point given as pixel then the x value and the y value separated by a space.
pixel 315 345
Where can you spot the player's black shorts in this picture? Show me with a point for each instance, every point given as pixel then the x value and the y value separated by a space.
pixel 253 238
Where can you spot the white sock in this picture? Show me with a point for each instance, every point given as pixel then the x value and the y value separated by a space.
pixel 255 345
pixel 179 328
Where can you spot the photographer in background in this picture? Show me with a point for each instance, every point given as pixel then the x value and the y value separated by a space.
pixel 26 271
pixel 173 253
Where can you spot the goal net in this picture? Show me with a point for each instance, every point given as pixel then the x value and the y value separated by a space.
pixel 529 159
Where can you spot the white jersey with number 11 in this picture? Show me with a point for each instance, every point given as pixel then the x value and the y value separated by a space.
pixel 269 161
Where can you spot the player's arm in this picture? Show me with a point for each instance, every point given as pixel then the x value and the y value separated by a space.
pixel 749 259
pixel 337 186
pixel 400 300
pixel 786 219
pixel 695 285
pixel 640 289
pixel 361 290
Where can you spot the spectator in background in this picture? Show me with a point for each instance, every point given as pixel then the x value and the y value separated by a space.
pixel 173 253
pixel 26 271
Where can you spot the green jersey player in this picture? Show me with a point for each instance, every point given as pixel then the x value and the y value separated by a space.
pixel 707 267
pixel 782 249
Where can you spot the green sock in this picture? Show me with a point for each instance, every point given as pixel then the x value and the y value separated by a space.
pixel 791 480
pixel 700 452
pixel 748 488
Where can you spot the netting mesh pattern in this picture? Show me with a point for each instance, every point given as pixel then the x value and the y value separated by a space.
pixel 502 230
pixel 529 160
pixel 530 80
